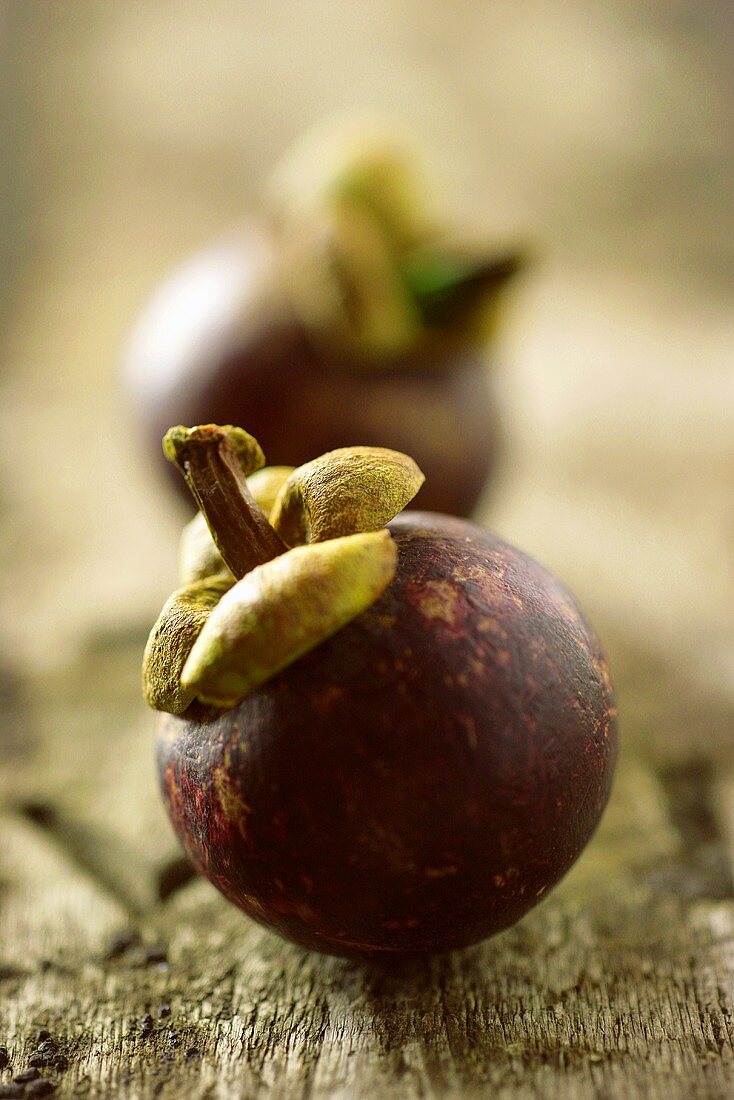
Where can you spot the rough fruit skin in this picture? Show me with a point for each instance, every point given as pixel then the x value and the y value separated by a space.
pixel 220 343
pixel 419 781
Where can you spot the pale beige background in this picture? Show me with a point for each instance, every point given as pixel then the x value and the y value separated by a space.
pixel 135 131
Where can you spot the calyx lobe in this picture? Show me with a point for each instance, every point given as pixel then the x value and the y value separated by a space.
pixel 250 606
pixel 283 609
pixel 344 491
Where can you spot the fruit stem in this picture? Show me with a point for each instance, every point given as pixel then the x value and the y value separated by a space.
pixel 215 462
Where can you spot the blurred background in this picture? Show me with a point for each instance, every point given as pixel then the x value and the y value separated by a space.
pixel 133 134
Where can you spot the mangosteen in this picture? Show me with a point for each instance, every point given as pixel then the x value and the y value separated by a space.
pixel 340 311
pixel 386 732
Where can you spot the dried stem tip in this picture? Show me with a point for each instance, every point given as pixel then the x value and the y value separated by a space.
pixel 215 462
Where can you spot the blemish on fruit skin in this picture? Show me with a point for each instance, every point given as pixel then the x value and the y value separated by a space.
pixel 325 699
pixel 253 904
pixel 471 731
pixel 173 789
pixel 391 849
pixel 233 807
pixel 437 600
pixel 504 658
pixel 247 901
pixel 477 668
pixel 293 907
pixel 440 872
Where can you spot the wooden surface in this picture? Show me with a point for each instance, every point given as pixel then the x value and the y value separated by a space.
pixel 130 137
pixel 153 986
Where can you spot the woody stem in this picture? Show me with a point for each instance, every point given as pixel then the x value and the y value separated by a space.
pixel 211 461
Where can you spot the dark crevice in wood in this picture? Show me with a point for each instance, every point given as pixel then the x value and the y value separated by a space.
pixel 106 858
pixel 18 739
pixel 173 876
pixel 705 870
pixel 96 853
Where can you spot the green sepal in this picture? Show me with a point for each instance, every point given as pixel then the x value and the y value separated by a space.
pixel 172 638
pixel 198 556
pixel 282 610
pixel 343 492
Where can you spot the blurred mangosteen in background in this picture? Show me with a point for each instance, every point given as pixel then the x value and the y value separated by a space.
pixel 340 311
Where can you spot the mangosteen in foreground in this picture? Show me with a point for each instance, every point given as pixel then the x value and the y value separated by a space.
pixel 340 311
pixel 380 739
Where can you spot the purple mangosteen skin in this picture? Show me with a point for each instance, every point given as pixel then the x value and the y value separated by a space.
pixel 222 344
pixel 420 780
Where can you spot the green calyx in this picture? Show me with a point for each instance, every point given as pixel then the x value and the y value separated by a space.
pixel 249 605
pixel 198 556
pixel 344 491
pixel 283 609
pixel 172 639
pixel 369 270
pixel 455 286
pixel 265 485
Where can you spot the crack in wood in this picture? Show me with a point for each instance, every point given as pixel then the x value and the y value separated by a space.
pixel 173 876
pixel 705 868
pixel 112 864
pixel 94 852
